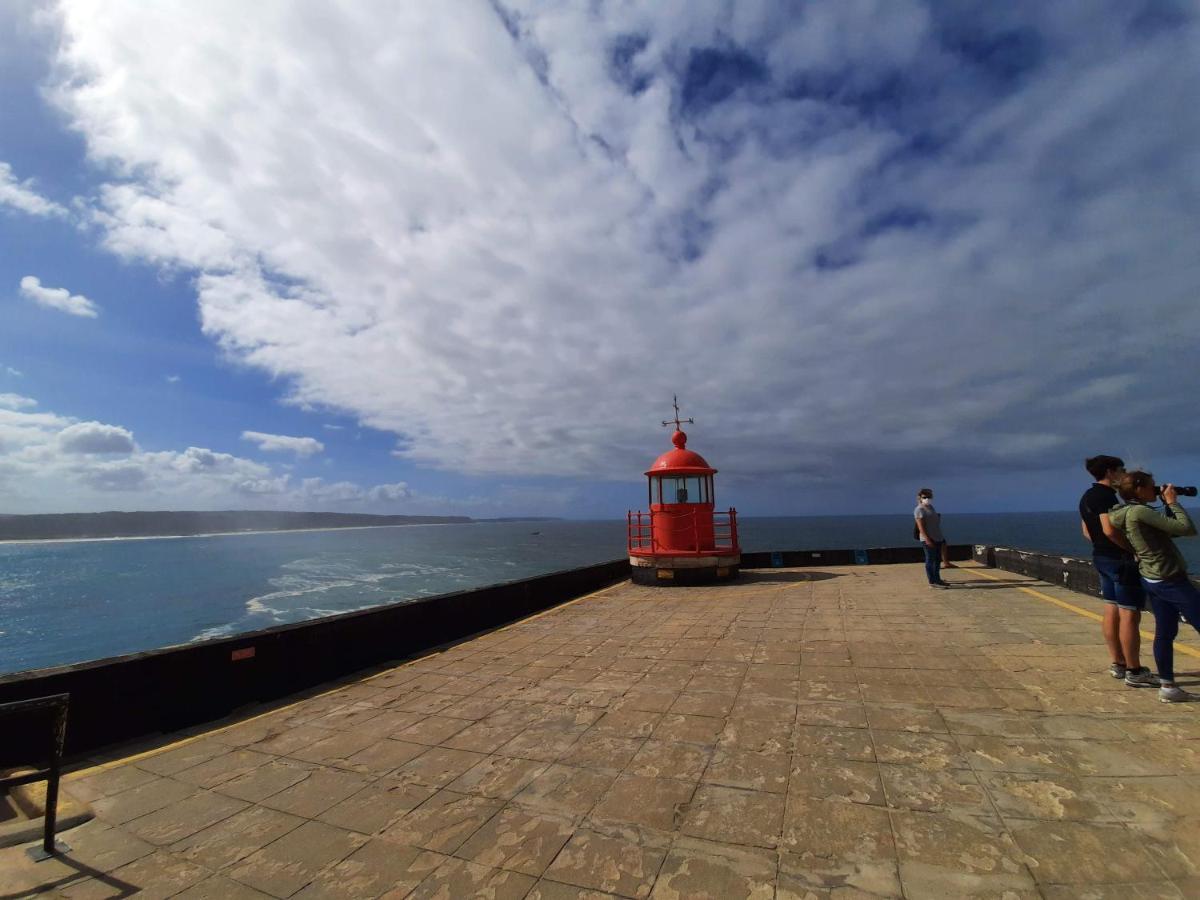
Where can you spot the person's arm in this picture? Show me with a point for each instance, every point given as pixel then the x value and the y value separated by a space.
pixel 1111 532
pixel 1180 526
pixel 1083 527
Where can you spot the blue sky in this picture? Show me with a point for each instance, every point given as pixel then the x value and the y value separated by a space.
pixel 457 258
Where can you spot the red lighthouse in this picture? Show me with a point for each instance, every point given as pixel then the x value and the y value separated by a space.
pixel 683 539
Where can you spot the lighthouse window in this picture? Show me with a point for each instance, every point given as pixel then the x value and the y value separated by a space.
pixel 683 489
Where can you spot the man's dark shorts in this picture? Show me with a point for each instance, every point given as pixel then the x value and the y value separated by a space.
pixel 1120 583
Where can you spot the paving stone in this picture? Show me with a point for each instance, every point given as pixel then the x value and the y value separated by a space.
pixel 218 887
pixel 437 766
pixel 222 768
pixel 1151 890
pixel 649 802
pixel 913 719
pixel 756 736
pixel 335 749
pixel 841 714
pixel 171 823
pixel 629 722
pixel 928 751
pixel 670 759
pixel 1147 800
pixel 457 878
pixel 565 790
pixel 1019 795
pixel 498 777
pixel 431 730
pixel 483 736
pixel 830 845
pixel 176 760
pixel 1031 755
pixel 443 822
pixel 142 799
pixel 284 866
pixel 749 770
pixel 106 783
pixel 286 739
pixel 160 874
pixel 598 750
pixel 649 701
pixel 383 756
pixel 599 862
pixel 266 780
pixel 387 723
pixel 375 869
pixel 840 743
pixel 518 839
pixel 103 847
pixel 700 870
pixel 1083 853
pixel 734 816
pixel 959 856
pixel 541 743
pixel 236 837
pixel 322 789
pixel 825 778
pixel 376 805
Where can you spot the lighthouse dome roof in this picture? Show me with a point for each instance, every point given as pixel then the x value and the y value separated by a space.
pixel 680 460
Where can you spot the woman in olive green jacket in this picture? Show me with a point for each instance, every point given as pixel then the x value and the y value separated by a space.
pixel 1162 567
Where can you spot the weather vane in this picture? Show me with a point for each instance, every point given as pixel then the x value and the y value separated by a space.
pixel 677 421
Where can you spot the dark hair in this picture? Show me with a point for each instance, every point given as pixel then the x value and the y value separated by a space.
pixel 1099 466
pixel 1132 482
pixel 925 492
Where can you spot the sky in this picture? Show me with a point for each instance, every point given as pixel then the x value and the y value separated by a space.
pixel 458 257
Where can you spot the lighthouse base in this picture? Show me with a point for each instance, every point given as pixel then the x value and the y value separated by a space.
pixel 682 571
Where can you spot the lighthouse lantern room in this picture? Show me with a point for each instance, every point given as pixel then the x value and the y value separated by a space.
pixel 683 539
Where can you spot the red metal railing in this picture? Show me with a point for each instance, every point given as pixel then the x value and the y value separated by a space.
pixel 639 530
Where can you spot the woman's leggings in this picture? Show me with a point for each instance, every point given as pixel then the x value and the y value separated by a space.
pixel 1170 599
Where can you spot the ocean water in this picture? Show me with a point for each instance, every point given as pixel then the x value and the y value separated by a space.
pixel 66 602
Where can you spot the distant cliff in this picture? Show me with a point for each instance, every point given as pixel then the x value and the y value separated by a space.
pixel 50 526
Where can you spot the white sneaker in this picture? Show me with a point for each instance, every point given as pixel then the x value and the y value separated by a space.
pixel 1173 694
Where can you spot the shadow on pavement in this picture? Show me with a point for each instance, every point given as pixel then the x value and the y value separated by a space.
pixel 766 576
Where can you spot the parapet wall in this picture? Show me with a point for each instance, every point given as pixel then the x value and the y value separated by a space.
pixel 1065 571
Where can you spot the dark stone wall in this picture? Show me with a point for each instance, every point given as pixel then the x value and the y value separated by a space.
pixel 875 556
pixel 1065 571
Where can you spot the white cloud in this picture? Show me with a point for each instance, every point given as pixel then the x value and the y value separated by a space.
pixel 16 401
pixel 21 195
pixel 172 379
pixel 54 463
pixel 386 492
pixel 858 241
pixel 271 443
pixel 15 373
pixel 58 298
pixel 95 437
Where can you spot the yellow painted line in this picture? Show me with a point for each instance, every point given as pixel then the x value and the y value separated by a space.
pixel 1180 648
pixel 183 742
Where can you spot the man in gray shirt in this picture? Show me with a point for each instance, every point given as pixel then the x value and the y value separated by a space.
pixel 929 526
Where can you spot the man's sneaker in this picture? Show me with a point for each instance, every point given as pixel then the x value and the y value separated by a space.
pixel 1117 670
pixel 1172 694
pixel 939 585
pixel 1142 677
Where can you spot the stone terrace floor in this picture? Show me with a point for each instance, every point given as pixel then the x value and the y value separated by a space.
pixel 843 733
